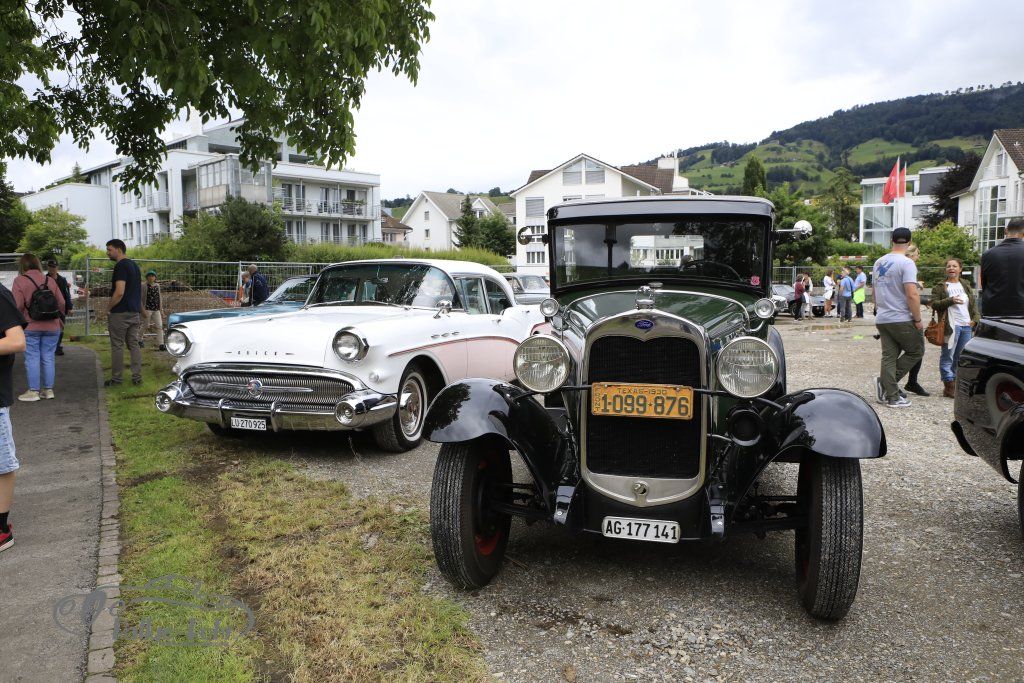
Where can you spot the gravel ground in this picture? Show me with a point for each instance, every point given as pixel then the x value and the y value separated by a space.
pixel 940 593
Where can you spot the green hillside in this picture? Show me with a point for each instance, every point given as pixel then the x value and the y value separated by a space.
pixel 924 130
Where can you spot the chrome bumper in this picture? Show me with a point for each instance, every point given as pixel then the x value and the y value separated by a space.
pixel 357 410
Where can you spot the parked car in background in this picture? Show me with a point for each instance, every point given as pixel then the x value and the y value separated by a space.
pixel 989 404
pixel 783 298
pixel 529 289
pixel 374 343
pixel 290 296
pixel 664 401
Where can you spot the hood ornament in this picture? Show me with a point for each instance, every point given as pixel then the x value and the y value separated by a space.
pixel 645 297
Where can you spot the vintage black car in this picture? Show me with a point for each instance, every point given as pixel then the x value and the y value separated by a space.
pixel 989 405
pixel 655 404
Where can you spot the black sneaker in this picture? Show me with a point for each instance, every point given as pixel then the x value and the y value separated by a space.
pixel 59 352
pixel 161 348
pixel 898 402
pixel 112 383
pixel 7 538
pixel 136 381
pixel 916 388
pixel 879 392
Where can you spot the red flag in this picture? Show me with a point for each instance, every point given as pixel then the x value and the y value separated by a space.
pixel 903 181
pixel 889 192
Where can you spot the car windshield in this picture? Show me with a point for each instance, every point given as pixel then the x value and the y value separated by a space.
pixel 399 284
pixel 725 248
pixel 533 283
pixel 293 290
pixel 782 290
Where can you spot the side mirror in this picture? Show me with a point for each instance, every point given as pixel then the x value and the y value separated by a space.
pixel 444 307
pixel 524 236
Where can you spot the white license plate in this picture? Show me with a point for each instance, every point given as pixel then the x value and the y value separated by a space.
pixel 641 529
pixel 252 423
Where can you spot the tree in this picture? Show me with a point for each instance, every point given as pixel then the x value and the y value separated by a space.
pixel 496 234
pixel 840 203
pixel 54 233
pixel 790 208
pixel 129 69
pixel 946 240
pixel 467 229
pixel 494 192
pixel 76 174
pixel 242 231
pixel 754 182
pixel 14 217
pixel 945 207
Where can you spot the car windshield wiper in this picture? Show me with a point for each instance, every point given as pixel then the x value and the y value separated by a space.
pixel 328 303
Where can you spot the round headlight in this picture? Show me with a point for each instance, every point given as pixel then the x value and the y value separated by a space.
pixel 549 307
pixel 747 367
pixel 764 308
pixel 177 343
pixel 349 346
pixel 541 363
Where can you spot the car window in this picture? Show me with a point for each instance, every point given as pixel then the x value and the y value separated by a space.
pixel 399 284
pixel 516 287
pixel 292 290
pixel 497 297
pixel 534 283
pixel 473 295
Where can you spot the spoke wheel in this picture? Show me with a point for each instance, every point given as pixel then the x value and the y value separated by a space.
pixel 405 428
pixel 828 549
pixel 468 534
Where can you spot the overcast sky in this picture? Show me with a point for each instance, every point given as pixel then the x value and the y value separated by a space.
pixel 506 87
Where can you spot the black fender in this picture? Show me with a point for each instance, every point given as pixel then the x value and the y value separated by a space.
pixel 775 341
pixel 474 408
pixel 1010 436
pixel 833 423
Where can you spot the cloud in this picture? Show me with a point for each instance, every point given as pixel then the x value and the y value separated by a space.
pixel 506 87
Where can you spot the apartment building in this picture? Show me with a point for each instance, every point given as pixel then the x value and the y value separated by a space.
pixel 877 220
pixel 996 193
pixel 584 177
pixel 200 171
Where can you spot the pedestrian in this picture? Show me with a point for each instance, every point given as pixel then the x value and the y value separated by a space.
pixel 258 286
pixel 40 302
pixel 913 385
pixel 954 296
pixel 860 291
pixel 898 319
pixel 242 294
pixel 798 297
pixel 828 283
pixel 1002 282
pixel 808 288
pixel 125 314
pixel 845 298
pixel 152 310
pixel 12 341
pixel 65 290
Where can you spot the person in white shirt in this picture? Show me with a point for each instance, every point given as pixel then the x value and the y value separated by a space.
pixel 829 284
pixel 955 297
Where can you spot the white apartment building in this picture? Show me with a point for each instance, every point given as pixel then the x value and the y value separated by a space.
pixel 200 171
pixel 583 177
pixel 432 217
pixel 877 220
pixel 996 193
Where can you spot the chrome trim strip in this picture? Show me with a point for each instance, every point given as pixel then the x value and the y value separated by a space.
pixel 746 313
pixel 273 368
pixel 659 491
pixel 265 390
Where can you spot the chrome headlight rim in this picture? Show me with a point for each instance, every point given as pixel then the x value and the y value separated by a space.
pixel 549 307
pixel 764 308
pixel 361 347
pixel 723 355
pixel 186 345
pixel 565 358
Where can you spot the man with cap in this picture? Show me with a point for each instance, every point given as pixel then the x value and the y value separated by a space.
pixel 898 319
pixel 152 309
pixel 65 291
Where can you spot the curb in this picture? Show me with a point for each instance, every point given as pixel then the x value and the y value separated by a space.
pixel 101 659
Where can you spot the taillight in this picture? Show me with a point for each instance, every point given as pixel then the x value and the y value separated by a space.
pixel 1008 395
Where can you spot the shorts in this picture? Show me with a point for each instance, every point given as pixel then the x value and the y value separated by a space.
pixel 8 461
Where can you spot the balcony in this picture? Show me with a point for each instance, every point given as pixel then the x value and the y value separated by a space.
pixel 158 201
pixel 312 207
pixel 348 241
pixel 191 200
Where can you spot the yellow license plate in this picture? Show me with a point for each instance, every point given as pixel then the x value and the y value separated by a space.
pixel 664 401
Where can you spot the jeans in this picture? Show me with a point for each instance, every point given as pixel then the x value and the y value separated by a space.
pixel 949 357
pixel 8 459
pixel 124 331
pixel 39 350
pixel 860 310
pixel 150 318
pixel 897 339
pixel 845 303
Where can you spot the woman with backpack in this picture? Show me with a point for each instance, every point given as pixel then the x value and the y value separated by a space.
pixel 40 302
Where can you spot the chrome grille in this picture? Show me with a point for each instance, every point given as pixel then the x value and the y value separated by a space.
pixel 636 446
pixel 305 390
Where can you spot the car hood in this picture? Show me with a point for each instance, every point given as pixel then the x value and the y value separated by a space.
pixel 302 337
pixel 716 315
pixel 234 312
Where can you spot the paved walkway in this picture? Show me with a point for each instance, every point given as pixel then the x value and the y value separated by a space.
pixel 56 517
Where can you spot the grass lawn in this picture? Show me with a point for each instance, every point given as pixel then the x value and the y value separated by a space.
pixel 336 582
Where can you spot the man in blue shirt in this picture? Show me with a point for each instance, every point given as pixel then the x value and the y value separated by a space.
pixel 259 291
pixel 845 296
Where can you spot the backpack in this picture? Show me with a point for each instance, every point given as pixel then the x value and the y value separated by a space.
pixel 43 304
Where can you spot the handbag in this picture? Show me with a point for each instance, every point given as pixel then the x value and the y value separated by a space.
pixel 935 333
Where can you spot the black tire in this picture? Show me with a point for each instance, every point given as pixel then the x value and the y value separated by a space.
pixel 828 549
pixel 818 312
pixel 469 538
pixel 401 433
pixel 1020 498
pixel 225 432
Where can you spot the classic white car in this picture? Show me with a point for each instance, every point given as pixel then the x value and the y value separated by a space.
pixel 374 343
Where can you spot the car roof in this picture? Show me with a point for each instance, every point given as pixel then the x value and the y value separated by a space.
pixel 447 265
pixel 663 204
